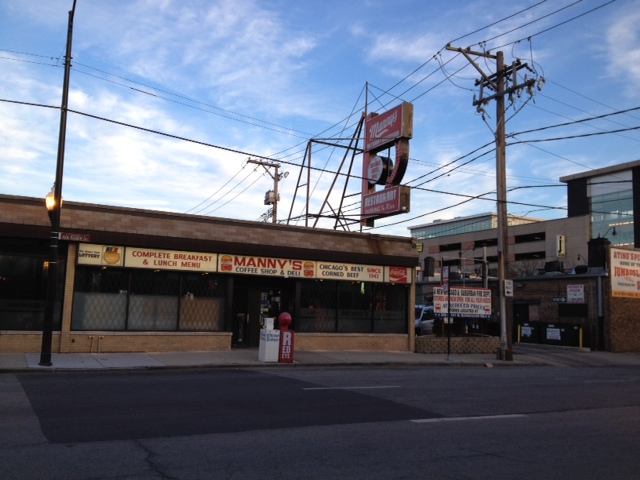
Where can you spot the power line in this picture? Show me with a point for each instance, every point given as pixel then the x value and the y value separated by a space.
pixel 486 41
pixel 576 122
pixel 211 204
pixel 571 137
pixel 234 197
pixel 528 37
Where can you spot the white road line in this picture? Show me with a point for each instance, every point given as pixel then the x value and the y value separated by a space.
pixel 462 419
pixel 351 388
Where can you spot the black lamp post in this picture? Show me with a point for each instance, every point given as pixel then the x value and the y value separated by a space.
pixel 53 209
pixel 54 204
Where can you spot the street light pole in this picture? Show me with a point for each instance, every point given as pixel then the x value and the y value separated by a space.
pixel 54 212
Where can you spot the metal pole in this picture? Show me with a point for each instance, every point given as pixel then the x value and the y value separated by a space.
pixel 275 193
pixel 52 271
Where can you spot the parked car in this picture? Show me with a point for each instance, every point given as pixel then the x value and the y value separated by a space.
pixel 424 319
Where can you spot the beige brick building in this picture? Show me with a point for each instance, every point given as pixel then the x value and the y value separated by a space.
pixel 145 281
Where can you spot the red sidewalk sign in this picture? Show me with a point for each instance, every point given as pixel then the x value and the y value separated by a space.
pixel 286 339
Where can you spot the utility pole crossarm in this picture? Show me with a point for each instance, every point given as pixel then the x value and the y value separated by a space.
pixel 466 54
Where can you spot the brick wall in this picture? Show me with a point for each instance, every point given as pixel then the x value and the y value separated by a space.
pixel 154 229
pixel 23 342
pixel 460 345
pixel 118 342
pixel 351 341
pixel 623 326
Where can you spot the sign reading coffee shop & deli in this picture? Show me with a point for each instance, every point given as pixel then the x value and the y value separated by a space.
pixel 239 264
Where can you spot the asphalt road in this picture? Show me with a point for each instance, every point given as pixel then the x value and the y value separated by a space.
pixel 322 423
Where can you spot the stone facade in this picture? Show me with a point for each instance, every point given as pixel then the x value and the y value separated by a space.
pixel 460 345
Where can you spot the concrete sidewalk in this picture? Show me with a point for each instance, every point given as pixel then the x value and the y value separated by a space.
pixel 524 355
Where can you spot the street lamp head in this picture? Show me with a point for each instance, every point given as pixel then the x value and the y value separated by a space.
pixel 50 201
pixel 612 230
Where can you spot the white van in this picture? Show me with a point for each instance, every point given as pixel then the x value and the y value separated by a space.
pixel 424 319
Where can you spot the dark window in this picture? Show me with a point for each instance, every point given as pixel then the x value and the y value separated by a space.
pixel 359 307
pixel 23 292
pixel 540 255
pixel 531 237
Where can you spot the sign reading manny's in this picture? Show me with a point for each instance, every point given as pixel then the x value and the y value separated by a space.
pixel 393 128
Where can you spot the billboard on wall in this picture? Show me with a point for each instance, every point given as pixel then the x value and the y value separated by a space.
pixel 311 269
pixel 170 260
pixel 103 255
pixel 465 302
pixel 624 272
pixel 156 259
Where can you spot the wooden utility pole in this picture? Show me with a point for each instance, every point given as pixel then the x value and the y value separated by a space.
pixel 276 179
pixel 496 83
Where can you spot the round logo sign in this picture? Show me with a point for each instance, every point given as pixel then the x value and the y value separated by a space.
pixel 375 169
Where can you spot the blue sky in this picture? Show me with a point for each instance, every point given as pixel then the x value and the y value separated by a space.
pixel 262 78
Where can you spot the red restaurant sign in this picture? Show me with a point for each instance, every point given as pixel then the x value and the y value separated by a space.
pixel 383 130
pixel 385 202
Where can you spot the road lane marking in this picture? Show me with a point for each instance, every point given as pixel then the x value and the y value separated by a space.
pixel 462 419
pixel 351 388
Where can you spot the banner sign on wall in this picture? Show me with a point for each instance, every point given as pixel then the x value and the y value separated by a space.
pixel 347 271
pixel 170 260
pixel 398 274
pixel 625 273
pixel 270 267
pixel 575 293
pixel 465 302
pixel 239 264
pixel 102 255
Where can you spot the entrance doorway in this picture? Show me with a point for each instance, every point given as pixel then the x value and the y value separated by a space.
pixel 253 301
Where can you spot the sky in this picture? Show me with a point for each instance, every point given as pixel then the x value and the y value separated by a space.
pixel 171 102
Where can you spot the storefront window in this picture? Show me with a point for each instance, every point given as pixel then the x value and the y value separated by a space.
pixel 354 307
pixel 358 307
pixel 100 299
pixel 146 300
pixel 202 299
pixel 318 307
pixel 389 309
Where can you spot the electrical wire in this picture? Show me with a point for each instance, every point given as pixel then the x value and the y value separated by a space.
pixel 214 193
pixel 528 37
pixel 234 197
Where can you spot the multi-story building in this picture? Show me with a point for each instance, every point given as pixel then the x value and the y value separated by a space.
pixel 549 261
pixel 610 196
pixel 465 244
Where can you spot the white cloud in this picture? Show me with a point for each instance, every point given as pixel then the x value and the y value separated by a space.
pixel 623 48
